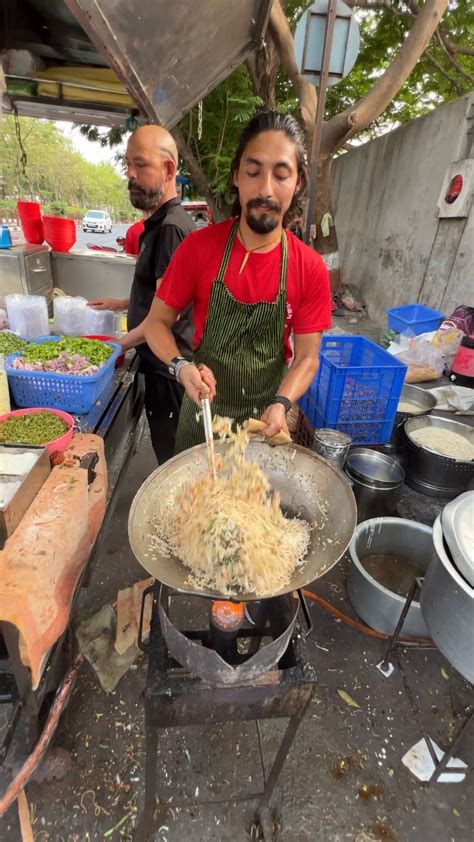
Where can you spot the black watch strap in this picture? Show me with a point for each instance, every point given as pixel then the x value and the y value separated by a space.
pixel 284 402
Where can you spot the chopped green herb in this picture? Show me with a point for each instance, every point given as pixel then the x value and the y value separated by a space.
pixel 96 352
pixel 36 428
pixel 10 343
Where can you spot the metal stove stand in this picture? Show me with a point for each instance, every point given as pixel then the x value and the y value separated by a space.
pixel 386 668
pixel 174 697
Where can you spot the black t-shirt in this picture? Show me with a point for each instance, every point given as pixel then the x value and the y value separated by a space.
pixel 163 232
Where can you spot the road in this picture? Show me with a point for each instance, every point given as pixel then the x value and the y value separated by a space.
pixel 100 239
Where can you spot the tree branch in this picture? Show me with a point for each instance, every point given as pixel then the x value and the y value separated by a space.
pixel 451 59
pixel 373 5
pixel 452 47
pixel 440 69
pixel 352 120
pixel 282 36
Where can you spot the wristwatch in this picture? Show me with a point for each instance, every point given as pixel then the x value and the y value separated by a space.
pixel 284 402
pixel 176 364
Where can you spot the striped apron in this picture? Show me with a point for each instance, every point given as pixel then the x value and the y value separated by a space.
pixel 243 346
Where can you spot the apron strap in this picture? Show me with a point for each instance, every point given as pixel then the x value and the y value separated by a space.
pixel 227 252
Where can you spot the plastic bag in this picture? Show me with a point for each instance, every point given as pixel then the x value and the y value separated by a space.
pixel 424 361
pixel 461 318
pixel 447 341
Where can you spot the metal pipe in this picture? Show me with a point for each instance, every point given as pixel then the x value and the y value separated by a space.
pixel 62 697
pixel 316 146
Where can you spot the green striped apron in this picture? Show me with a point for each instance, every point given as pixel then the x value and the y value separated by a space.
pixel 243 346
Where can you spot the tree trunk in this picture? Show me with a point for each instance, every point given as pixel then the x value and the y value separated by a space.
pixel 282 37
pixel 262 66
pixel 197 174
pixel 353 120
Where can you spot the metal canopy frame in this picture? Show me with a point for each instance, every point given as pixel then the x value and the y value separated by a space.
pixel 168 56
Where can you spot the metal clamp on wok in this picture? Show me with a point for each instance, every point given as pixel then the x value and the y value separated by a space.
pixel 307 615
pixel 151 589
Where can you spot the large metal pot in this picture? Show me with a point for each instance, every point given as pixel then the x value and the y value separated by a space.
pixel 429 472
pixel 376 480
pixel 376 604
pixel 447 605
pixel 416 395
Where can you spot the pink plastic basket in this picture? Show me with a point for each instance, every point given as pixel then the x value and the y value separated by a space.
pixel 57 444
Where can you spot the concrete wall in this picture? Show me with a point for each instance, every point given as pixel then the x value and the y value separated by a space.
pixel 391 243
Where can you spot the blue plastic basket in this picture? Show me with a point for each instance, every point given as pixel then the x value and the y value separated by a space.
pixel 414 317
pixel 69 392
pixel 356 390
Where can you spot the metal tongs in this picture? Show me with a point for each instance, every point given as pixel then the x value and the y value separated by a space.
pixel 207 418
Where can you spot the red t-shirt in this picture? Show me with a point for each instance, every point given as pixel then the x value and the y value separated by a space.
pixel 195 265
pixel 132 238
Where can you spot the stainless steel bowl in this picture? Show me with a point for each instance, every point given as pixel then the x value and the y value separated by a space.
pixel 432 473
pixel 412 394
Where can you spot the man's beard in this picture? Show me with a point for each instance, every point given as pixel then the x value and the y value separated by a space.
pixel 262 224
pixel 144 199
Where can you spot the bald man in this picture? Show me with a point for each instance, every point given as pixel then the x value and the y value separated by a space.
pixel 152 162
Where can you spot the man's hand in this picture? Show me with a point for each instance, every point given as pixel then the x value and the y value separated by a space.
pixel 109 304
pixel 208 378
pixel 198 383
pixel 275 419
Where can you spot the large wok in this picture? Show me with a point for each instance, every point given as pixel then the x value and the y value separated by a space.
pixel 308 485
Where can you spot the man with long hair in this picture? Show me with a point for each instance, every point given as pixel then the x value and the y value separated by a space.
pixel 261 297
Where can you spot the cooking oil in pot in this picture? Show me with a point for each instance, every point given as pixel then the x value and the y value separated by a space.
pixel 394 572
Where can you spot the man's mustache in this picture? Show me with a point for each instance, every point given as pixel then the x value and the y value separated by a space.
pixel 263 203
pixel 132 185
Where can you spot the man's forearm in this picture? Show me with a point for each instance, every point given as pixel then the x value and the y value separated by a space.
pixel 134 337
pixel 299 377
pixel 159 337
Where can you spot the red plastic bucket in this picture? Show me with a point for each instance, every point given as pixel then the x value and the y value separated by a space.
pixel 59 233
pixel 32 230
pixel 29 210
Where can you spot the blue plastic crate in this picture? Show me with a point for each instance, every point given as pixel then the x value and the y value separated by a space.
pixel 356 390
pixel 414 317
pixel 68 392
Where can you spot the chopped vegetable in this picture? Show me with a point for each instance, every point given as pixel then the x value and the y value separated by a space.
pixel 10 343
pixel 68 355
pixel 36 428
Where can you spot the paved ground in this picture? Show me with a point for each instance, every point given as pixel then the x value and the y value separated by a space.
pixel 344 779
pixel 100 239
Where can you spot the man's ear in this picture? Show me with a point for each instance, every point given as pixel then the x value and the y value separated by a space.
pixel 235 180
pixel 170 169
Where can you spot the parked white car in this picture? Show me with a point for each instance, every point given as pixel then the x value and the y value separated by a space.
pixel 97 220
